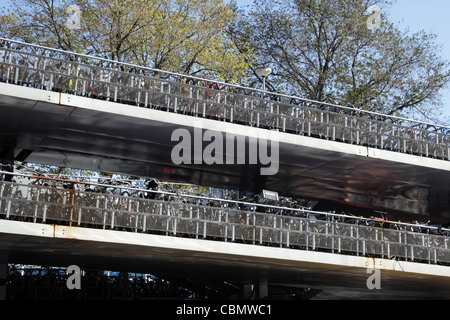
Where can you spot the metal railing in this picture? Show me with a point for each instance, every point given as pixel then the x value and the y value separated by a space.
pixel 50 200
pixel 56 70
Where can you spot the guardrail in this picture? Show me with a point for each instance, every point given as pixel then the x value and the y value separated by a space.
pixel 49 200
pixel 51 69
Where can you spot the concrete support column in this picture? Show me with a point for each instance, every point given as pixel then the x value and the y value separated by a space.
pixel 263 289
pixel 3 274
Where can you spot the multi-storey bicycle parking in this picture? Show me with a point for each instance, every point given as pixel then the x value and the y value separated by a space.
pixel 194 216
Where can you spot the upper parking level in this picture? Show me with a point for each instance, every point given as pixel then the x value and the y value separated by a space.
pixel 56 70
pixel 76 111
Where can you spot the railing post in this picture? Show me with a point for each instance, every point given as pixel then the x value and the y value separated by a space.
pixel 254 229
pixel 38 192
pixel 406 244
pixel 44 215
pixel 112 219
pixel 204 229
pixel 435 256
pixel 79 216
pixel 72 200
pixel 339 244
pixel 105 212
pixel 108 86
pixel 307 235
pixel 175 105
pixel 357 240
pixel 426 244
pixel 333 238
pixel 167 220
pixel 226 224
pixel 197 222
pixel 136 221
pixel 287 237
pixel 8 209
pixel 313 241
pixel 9 67
pixel 280 227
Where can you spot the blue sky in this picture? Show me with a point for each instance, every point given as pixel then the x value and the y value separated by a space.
pixel 430 16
